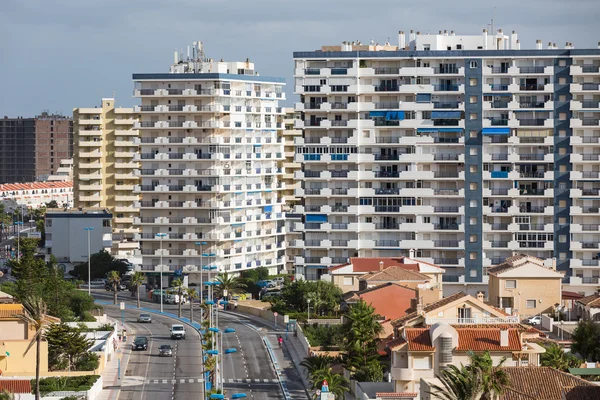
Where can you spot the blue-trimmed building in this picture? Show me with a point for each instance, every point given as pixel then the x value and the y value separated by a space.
pixel 210 166
pixel 462 149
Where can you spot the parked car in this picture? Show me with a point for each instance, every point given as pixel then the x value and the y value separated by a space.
pixel 98 282
pixel 272 293
pixel 177 331
pixel 165 350
pixel 278 281
pixel 140 343
pixel 109 287
pixel 535 320
pixel 145 318
pixel 263 284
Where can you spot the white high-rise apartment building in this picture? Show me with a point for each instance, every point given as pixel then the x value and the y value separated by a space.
pixel 457 150
pixel 210 167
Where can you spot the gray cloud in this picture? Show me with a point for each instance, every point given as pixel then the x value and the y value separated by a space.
pixel 69 53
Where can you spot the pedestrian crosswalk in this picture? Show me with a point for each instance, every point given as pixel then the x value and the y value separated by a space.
pixel 173 381
pixel 239 380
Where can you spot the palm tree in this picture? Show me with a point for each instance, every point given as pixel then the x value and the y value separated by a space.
pixel 493 379
pixel 556 357
pixel 137 280
pixel 192 295
pixel 177 284
pixel 315 363
pixel 338 385
pixel 457 384
pixel 229 284
pixel 35 315
pixel 114 278
pixel 6 395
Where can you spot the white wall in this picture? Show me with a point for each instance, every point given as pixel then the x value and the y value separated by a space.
pixel 69 239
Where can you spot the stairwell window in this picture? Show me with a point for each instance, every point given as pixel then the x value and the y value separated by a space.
pixel 473 64
pixel 510 284
pixel 531 304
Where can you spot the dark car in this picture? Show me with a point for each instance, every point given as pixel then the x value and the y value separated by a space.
pixel 120 286
pixel 140 343
pixel 165 350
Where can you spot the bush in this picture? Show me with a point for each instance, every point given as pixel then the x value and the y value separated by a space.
pixel 87 362
pixel 65 384
pixel 323 335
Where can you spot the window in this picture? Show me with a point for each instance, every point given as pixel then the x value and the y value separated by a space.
pixel 531 303
pixel 473 273
pixel 472 255
pixel 473 64
pixel 348 281
pixel 562 80
pixel 562 203
pixel 472 81
pixel 473 99
pixel 473 221
pixel 562 238
pixel 473 186
pixel 473 238
pixel 562 168
pixel 473 116
pixel 426 220
pixel 562 63
pixel 473 151
pixel 473 134
pixel 106 223
pixel 48 222
pixel 562 133
pixel 422 362
pixel 426 47
pixel 562 116
pixel 562 256
pixel 472 168
pixel 562 221
pixel 459 47
pixel 473 203
pixel 562 151
pixel 510 284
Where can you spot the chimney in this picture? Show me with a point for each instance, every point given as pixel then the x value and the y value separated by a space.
pixel 401 40
pixel 480 296
pixel 380 265
pixel 554 46
pixel 504 338
pixel 451 33
pixel 513 40
pixel 445 32
pixel 599 45
pixel 439 32
pixel 411 253
pixel 538 44
pixel 550 45
pixel 485 39
pixel 518 45
pixel 554 263
pixel 413 37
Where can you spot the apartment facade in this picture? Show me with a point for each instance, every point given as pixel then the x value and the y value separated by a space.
pixel 53 143
pixel 105 169
pixel 465 149
pixel 210 175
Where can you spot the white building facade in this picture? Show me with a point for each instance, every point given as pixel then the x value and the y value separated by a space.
pixel 210 155
pixel 465 149
pixel 34 195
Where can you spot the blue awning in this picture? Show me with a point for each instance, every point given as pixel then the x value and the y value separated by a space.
pixel 423 97
pixel 499 174
pixel 446 114
pixel 316 217
pixel 377 113
pixel 394 115
pixel 315 266
pixel 496 131
pixel 257 145
pixel 238 224
pixel 450 130
pixel 268 209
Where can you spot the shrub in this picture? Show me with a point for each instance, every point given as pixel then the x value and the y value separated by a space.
pixel 65 383
pixel 87 362
pixel 323 335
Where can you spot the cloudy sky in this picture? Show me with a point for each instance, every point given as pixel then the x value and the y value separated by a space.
pixel 61 54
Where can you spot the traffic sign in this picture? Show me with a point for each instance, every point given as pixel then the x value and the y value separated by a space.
pixel 286 319
pixel 122 305
pixel 275 313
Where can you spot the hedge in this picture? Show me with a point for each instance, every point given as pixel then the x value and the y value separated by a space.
pixel 65 384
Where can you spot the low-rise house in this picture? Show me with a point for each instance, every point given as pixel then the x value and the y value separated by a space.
pixel 534 383
pixel 589 307
pixel 347 276
pixel 422 353
pixel 522 285
pixel 390 300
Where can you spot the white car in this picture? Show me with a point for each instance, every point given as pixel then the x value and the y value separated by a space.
pixel 535 320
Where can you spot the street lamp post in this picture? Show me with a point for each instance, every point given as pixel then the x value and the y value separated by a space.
pixel 308 316
pixel 18 223
pixel 201 244
pixel 89 230
pixel 161 236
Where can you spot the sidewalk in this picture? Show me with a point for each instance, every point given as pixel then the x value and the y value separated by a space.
pixel 110 377
pixel 291 346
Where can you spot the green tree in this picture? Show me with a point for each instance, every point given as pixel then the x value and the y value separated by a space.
pixel 315 363
pixel 35 315
pixel 177 284
pixel 457 384
pixel 557 358
pixel 294 296
pixel 586 340
pixel 52 204
pixel 30 270
pixel 137 280
pixel 6 395
pixel 492 378
pixel 40 225
pixel 228 284
pixel 192 295
pixel 256 274
pixel 101 264
pixel 67 347
pixel 114 278
pixel 338 385
pixel 361 331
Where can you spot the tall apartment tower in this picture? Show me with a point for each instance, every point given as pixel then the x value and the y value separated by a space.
pixel 459 150
pixel 210 172
pixel 31 148
pixel 290 165
pixel 104 167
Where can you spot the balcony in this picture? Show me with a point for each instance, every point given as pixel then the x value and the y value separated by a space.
pixel 590 86
pixel 387 243
pixel 498 88
pixel 498 122
pixel 531 87
pixel 445 105
pixel 446 227
pixel 531 122
pixel 531 70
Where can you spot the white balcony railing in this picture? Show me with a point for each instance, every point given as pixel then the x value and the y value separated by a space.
pixel 473 321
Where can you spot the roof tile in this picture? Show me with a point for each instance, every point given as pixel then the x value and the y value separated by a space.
pixel 486 339
pixel 592 300
pixel 548 384
pixel 430 307
pixel 418 339
pixel 395 273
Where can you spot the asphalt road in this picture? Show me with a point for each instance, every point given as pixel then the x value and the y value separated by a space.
pixel 248 371
pixel 149 376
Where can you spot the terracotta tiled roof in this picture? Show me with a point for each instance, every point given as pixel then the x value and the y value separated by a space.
pixel 405 395
pixel 592 300
pixel 371 264
pixel 15 385
pixel 395 343
pixel 486 339
pixel 545 383
pixel 418 339
pixel 395 273
pixel 10 187
pixel 566 295
pixel 429 307
pixel 389 300
pixel 513 262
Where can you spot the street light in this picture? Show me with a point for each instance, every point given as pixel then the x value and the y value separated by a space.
pixel 89 230
pixel 308 316
pixel 161 236
pixel 201 244
pixel 18 240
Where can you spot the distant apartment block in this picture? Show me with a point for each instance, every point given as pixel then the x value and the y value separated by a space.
pixel 465 149
pixel 31 148
pixel 210 174
pixel 35 195
pixel 105 169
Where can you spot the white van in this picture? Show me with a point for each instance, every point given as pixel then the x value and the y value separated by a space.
pixel 177 331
